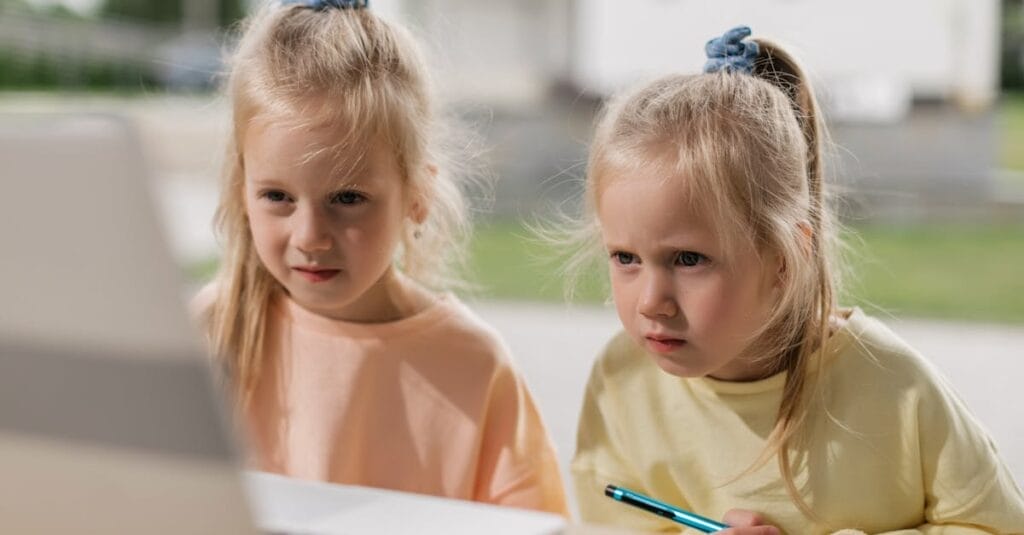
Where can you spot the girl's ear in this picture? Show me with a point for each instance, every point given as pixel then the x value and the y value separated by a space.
pixel 806 243
pixel 418 208
pixel 418 211
pixel 807 236
pixel 780 275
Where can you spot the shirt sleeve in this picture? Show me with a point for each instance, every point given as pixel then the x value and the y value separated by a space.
pixel 599 461
pixel 968 487
pixel 517 465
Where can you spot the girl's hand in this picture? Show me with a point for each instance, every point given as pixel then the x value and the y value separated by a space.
pixel 743 522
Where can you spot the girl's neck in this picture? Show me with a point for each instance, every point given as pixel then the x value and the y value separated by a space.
pixel 401 297
pixel 748 369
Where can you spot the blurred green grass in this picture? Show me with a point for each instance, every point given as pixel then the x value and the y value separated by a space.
pixel 965 272
pixel 960 272
pixel 1011 125
pixel 971 272
pixel 507 261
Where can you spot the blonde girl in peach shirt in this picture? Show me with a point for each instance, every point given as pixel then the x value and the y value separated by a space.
pixel 348 360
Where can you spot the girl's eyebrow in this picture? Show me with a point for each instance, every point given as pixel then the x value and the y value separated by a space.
pixel 677 243
pixel 614 246
pixel 348 182
pixel 353 177
pixel 265 181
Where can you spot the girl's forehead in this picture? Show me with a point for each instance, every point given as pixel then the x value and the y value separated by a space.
pixel 694 180
pixel 310 138
pixel 315 132
pixel 656 199
pixel 284 150
pixel 670 184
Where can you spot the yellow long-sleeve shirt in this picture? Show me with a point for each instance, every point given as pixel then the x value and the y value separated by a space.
pixel 891 449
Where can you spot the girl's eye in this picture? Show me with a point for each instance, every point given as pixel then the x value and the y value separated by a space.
pixel 690 258
pixel 624 259
pixel 275 196
pixel 348 197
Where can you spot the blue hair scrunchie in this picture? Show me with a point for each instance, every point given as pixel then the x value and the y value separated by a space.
pixel 731 53
pixel 320 5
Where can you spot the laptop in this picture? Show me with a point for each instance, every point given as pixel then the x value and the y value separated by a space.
pixel 110 420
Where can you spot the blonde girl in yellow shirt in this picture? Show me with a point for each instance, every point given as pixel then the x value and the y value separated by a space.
pixel 349 360
pixel 738 388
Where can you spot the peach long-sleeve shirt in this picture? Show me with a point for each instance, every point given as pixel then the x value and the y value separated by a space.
pixel 428 404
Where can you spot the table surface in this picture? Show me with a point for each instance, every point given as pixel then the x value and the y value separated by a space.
pixel 285 505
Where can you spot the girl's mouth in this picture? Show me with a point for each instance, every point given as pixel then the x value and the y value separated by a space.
pixel 664 345
pixel 316 275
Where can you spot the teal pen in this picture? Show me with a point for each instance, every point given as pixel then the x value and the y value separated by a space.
pixel 670 512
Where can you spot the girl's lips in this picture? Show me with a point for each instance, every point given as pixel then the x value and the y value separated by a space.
pixel 317 275
pixel 664 345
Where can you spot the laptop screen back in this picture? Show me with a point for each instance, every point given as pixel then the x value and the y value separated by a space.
pixel 109 419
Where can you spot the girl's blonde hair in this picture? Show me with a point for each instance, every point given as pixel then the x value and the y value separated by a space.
pixel 365 79
pixel 750 147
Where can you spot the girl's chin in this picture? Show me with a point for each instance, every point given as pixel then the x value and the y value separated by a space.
pixel 673 367
pixel 324 303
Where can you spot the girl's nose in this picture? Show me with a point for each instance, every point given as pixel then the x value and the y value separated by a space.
pixel 311 232
pixel 657 297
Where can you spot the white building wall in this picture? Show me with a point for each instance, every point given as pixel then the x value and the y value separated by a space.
pixel 932 48
pixel 868 58
pixel 976 42
pixel 495 51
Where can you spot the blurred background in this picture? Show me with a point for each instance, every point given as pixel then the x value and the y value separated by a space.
pixel 925 101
